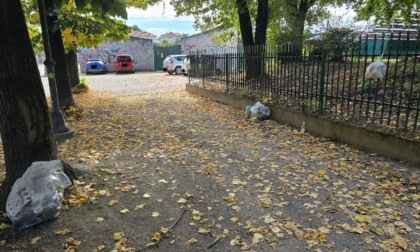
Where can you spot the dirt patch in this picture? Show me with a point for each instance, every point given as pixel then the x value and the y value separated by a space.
pixel 245 184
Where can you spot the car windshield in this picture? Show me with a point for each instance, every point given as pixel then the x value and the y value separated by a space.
pixel 124 59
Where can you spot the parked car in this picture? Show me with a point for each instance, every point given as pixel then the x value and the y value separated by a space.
pixel 186 66
pixel 124 63
pixel 95 66
pixel 173 63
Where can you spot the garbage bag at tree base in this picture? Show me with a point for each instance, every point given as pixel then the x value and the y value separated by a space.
pixel 34 197
pixel 258 111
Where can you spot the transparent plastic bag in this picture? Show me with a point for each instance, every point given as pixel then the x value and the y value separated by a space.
pixel 376 70
pixel 34 197
pixel 258 111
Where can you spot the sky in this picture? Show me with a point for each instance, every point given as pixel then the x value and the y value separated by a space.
pixel 159 19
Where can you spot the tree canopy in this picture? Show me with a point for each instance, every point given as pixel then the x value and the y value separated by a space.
pixel 386 11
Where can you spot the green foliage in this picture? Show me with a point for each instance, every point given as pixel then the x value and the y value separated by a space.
pixel 114 8
pixel 82 87
pixel 288 18
pixel 165 43
pixel 135 28
pixel 81 27
pixel 36 39
pixel 385 11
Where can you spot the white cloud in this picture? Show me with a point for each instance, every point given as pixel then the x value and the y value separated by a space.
pixel 160 11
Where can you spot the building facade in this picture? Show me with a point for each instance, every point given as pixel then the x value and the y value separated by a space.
pixel 140 49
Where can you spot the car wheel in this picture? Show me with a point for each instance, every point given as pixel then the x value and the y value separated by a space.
pixel 178 70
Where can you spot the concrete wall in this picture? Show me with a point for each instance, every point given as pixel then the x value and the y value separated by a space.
pixel 141 50
pixel 365 139
pixel 203 41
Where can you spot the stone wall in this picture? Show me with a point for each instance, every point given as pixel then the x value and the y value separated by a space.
pixel 141 50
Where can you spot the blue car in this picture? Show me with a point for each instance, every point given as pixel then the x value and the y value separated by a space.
pixel 95 66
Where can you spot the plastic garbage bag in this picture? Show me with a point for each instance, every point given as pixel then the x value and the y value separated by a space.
pixel 376 70
pixel 258 111
pixel 34 197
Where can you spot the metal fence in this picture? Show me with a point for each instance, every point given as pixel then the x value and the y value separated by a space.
pixel 327 79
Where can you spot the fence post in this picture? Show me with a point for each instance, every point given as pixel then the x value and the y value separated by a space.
pixel 227 72
pixel 322 83
pixel 262 49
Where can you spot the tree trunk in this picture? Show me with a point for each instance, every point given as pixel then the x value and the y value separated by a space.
pixel 25 123
pixel 298 11
pixel 261 22
pixel 246 34
pixel 71 58
pixel 65 96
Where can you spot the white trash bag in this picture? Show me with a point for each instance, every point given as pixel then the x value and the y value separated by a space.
pixel 376 70
pixel 258 111
pixel 34 197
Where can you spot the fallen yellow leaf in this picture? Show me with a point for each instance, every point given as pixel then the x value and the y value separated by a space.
pixel 155 214
pixel 139 207
pixel 101 247
pixel 63 232
pixel 112 202
pixel 203 231
pixel 156 236
pixel 118 235
pixel 35 240
pixel 192 241
pixel 363 218
pixel 324 230
pixel 124 211
pixel 322 173
pixel 4 226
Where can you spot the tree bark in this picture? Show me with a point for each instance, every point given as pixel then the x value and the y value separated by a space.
pixel 71 58
pixel 65 96
pixel 298 11
pixel 247 37
pixel 261 22
pixel 25 124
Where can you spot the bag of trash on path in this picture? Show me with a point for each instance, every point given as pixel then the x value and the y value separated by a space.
pixel 258 111
pixel 376 70
pixel 34 197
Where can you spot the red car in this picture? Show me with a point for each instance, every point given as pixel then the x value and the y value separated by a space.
pixel 124 63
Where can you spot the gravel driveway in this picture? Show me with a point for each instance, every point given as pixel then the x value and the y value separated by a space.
pixel 131 84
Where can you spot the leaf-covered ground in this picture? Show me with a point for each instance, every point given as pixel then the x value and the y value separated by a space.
pixel 171 171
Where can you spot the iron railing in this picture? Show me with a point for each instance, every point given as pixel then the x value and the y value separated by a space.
pixel 325 79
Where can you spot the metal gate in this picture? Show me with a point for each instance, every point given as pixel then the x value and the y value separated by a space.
pixel 160 54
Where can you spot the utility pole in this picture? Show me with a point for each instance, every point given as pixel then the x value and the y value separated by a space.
pixel 61 130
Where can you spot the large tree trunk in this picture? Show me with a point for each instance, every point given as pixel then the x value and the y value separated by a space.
pixel 65 96
pixel 247 37
pixel 71 58
pixel 298 11
pixel 261 22
pixel 252 53
pixel 25 123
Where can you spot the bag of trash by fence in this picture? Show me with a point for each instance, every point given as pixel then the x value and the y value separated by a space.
pixel 258 111
pixel 35 197
pixel 376 70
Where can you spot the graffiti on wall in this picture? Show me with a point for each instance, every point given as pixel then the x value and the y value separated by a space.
pixel 213 50
pixel 141 51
